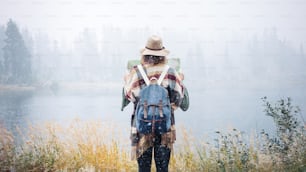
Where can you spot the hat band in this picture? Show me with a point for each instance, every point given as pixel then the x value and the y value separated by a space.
pixel 155 49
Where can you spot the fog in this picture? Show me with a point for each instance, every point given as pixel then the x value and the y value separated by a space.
pixel 232 53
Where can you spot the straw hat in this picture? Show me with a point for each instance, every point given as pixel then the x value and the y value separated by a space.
pixel 154 47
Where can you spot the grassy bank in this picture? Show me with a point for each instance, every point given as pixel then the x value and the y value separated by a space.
pixel 91 146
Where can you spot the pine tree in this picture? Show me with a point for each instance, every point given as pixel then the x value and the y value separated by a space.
pixel 2 35
pixel 17 59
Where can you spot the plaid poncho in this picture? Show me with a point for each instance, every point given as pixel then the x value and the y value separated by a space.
pixel 133 84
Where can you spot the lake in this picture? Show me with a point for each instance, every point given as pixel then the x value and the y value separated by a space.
pixel 213 107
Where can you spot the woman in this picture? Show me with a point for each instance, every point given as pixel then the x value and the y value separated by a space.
pixel 153 61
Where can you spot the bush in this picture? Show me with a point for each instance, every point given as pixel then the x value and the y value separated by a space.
pixel 288 147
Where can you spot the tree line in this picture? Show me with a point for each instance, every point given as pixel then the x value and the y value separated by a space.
pixel 40 59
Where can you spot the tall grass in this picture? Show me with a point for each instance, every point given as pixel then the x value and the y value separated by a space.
pixel 91 146
pixel 82 146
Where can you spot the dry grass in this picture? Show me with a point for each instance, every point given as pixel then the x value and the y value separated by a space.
pixel 90 146
pixel 82 146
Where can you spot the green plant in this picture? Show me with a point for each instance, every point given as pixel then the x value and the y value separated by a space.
pixel 234 152
pixel 40 152
pixel 288 147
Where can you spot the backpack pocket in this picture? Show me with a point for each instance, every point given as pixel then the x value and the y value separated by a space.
pixel 149 119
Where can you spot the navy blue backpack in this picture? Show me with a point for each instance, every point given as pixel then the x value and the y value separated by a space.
pixel 153 111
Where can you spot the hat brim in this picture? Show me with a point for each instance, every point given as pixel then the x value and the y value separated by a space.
pixel 162 52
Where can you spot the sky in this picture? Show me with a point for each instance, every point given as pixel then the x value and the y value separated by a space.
pixel 66 18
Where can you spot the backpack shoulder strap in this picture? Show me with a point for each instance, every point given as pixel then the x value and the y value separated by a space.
pixel 143 74
pixel 163 74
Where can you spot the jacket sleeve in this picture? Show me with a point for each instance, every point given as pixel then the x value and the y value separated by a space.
pixel 175 88
pixel 185 102
pixel 125 101
pixel 131 87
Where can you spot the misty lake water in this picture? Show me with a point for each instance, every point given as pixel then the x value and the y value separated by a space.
pixel 212 108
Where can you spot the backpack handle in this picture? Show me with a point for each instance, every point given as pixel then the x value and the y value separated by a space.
pixel 153 80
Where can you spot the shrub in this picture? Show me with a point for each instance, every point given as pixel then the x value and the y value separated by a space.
pixel 287 147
